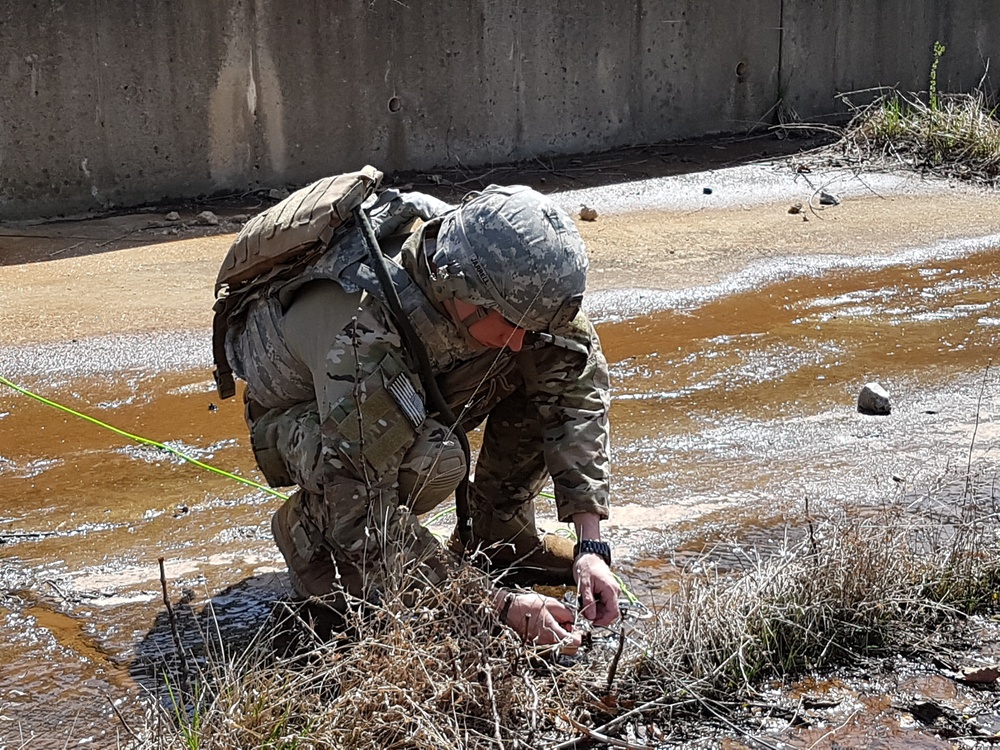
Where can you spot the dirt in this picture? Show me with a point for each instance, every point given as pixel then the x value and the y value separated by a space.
pixel 70 280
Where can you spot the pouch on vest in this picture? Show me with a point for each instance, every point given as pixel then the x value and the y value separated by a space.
pixel 390 412
pixel 264 444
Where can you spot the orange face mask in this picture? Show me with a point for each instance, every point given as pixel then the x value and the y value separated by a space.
pixel 488 327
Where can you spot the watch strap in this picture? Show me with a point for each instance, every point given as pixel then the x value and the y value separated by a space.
pixel 595 547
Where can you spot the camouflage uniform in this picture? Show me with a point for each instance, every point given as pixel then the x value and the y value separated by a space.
pixel 315 351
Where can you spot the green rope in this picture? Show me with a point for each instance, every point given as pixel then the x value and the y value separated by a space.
pixel 144 441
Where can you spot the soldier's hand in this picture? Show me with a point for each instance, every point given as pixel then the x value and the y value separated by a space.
pixel 543 621
pixel 598 589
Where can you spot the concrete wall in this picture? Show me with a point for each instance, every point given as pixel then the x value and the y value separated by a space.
pixel 119 103
pixel 838 46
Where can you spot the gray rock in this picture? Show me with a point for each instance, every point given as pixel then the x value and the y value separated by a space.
pixel 277 195
pixel 874 399
pixel 828 199
pixel 173 216
pixel 207 219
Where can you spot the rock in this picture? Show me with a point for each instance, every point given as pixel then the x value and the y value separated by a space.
pixel 828 199
pixel 207 219
pixel 795 208
pixel 276 194
pixel 874 399
pixel 588 214
pixel 173 216
pixel 707 191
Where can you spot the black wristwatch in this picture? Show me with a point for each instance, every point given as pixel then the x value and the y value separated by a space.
pixel 585 546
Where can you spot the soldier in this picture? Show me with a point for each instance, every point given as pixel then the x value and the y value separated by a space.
pixel 337 404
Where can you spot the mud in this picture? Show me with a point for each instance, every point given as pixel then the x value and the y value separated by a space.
pixel 736 364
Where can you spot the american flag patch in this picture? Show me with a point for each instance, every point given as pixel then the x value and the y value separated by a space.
pixel 409 400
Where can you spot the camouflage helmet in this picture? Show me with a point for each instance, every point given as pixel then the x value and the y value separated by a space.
pixel 512 250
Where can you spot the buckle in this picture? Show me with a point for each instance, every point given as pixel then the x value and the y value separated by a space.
pixel 569 309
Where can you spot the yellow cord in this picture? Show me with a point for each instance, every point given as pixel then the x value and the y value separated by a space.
pixel 144 441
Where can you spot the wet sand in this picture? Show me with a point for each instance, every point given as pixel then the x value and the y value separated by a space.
pixel 66 281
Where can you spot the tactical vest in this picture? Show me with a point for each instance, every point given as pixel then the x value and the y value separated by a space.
pixel 312 235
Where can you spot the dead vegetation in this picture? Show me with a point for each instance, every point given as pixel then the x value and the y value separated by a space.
pixel 851 587
pixel 954 136
pixel 442 673
pixel 945 134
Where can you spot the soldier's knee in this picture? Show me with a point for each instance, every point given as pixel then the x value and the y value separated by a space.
pixel 432 468
pixel 287 446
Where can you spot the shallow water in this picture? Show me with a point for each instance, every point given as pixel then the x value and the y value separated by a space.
pixel 725 412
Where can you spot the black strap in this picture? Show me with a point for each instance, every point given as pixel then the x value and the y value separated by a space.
pixel 416 348
pixel 223 374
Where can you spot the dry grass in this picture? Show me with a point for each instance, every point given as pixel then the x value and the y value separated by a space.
pixel 445 674
pixel 442 673
pixel 951 135
pixel 838 597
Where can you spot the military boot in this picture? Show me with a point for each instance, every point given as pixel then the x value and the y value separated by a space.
pixel 309 577
pixel 525 557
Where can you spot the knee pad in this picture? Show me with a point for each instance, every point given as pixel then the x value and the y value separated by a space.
pixel 432 468
pixel 288 447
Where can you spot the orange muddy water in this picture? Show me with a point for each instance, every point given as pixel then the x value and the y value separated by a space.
pixel 727 408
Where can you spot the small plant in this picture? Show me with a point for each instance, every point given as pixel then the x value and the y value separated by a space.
pixel 951 135
pixel 959 137
pixel 933 86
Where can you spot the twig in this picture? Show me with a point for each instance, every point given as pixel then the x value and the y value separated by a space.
pixel 533 713
pixel 59 591
pixel 115 239
pixel 725 720
pixel 613 741
pixel 975 429
pixel 656 703
pixel 72 731
pixel 859 178
pixel 614 662
pixel 493 705
pixel 478 178
pixel 185 675
pixel 834 730
pixel 122 719
pixel 30 535
pixel 812 536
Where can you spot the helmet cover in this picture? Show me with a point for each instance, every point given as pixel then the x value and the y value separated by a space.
pixel 512 250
